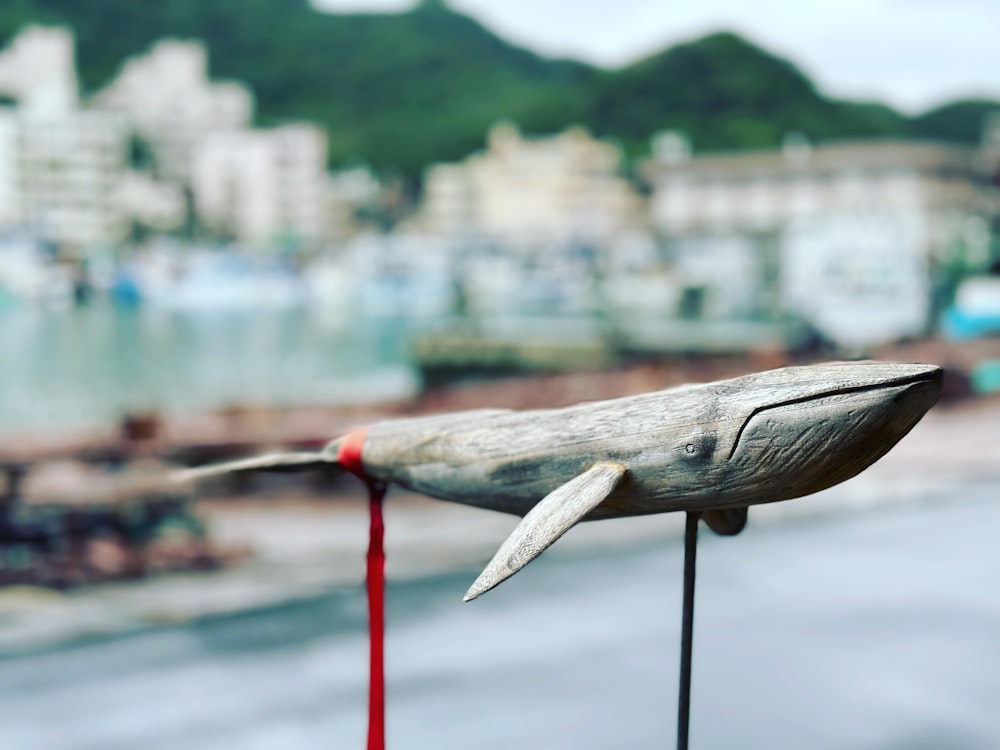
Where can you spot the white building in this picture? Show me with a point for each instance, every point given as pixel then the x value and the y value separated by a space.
pixel 261 186
pixel 350 193
pixel 71 171
pixel 255 186
pixel 66 172
pixel 11 203
pixel 38 69
pixel 60 166
pixel 556 189
pixel 844 235
pixel 172 104
pixel 156 205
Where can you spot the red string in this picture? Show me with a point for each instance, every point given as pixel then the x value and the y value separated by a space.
pixel 376 619
pixel 349 456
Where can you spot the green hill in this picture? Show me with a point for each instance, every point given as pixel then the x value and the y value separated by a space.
pixel 402 90
pixel 398 90
pixel 727 93
pixel 960 121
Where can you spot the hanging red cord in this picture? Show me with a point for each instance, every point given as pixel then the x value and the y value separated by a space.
pixel 376 619
pixel 349 456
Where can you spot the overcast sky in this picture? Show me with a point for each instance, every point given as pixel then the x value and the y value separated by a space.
pixel 912 54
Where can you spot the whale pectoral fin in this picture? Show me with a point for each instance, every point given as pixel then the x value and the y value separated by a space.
pixel 269 462
pixel 552 517
pixel 725 521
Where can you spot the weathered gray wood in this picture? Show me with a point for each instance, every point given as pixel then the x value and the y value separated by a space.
pixel 270 462
pixel 552 517
pixel 759 438
pixel 717 447
pixel 725 521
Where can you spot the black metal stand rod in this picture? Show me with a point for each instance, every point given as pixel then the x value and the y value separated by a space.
pixel 687 628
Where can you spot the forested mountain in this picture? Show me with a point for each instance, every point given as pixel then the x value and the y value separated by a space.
pixel 960 121
pixel 402 90
pixel 724 92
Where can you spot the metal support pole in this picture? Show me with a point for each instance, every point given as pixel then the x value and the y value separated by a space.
pixel 687 628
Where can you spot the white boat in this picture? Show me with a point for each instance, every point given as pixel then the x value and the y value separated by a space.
pixel 28 275
pixel 214 279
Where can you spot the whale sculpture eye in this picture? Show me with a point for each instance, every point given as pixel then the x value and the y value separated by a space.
pixel 698 447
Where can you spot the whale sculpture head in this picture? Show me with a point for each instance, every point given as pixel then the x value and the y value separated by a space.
pixel 800 430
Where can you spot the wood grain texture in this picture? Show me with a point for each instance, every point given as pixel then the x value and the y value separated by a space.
pixel 760 438
pixel 725 521
pixel 279 462
pixel 714 448
pixel 552 517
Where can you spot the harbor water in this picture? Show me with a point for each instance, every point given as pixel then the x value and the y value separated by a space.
pixel 88 365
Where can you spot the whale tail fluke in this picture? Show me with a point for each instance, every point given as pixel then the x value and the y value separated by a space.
pixel 272 462
pixel 552 517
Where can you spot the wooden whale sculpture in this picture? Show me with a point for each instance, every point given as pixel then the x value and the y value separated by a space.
pixel 716 448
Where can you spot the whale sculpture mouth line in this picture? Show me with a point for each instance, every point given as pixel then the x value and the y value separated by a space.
pixel 894 383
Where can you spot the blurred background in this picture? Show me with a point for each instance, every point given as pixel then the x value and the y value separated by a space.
pixel 230 227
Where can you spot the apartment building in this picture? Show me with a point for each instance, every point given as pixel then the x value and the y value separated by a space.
pixel 555 189
pixel 172 104
pixel 260 187
pixel 60 166
pixel 847 236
